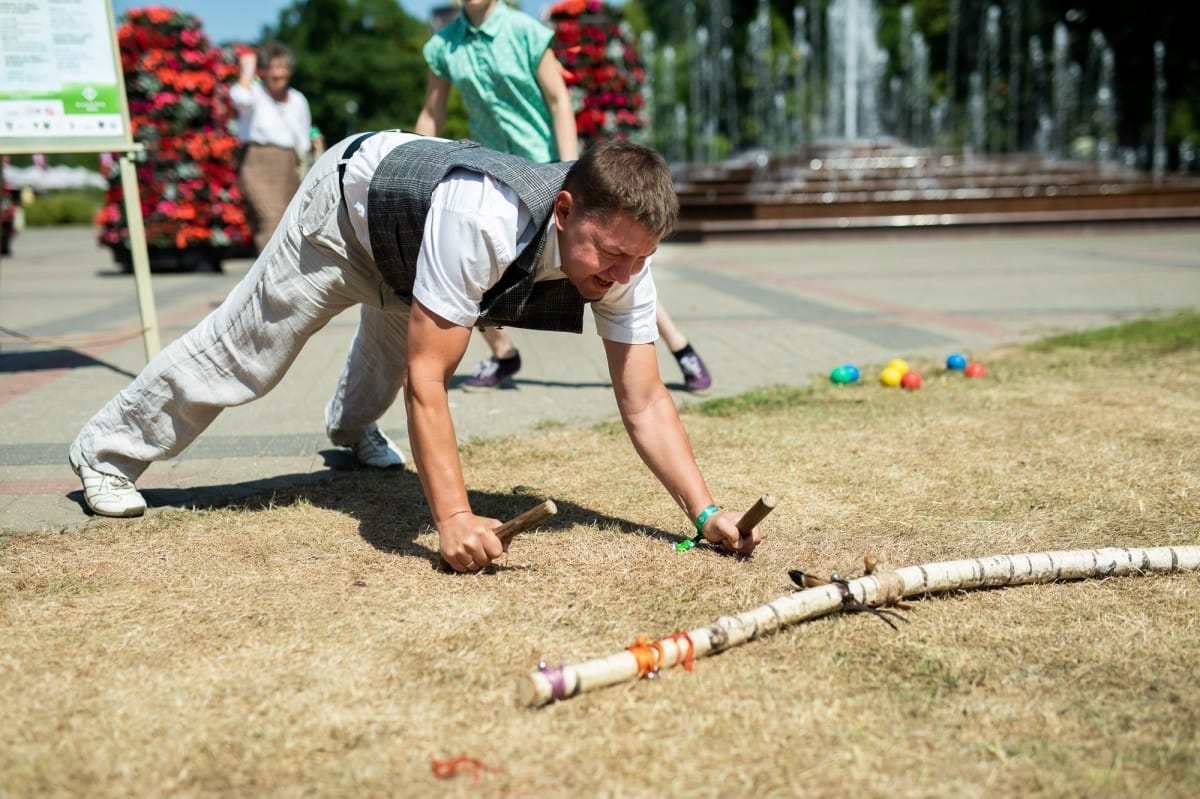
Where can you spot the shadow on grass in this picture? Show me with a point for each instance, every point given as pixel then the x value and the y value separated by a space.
pixel 389 505
pixel 392 512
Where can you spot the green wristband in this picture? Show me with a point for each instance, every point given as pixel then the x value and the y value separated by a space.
pixel 703 517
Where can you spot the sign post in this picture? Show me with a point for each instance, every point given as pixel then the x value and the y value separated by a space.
pixel 62 90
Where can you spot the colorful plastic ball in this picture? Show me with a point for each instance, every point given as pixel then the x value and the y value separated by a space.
pixel 899 364
pixel 956 360
pixel 974 370
pixel 891 377
pixel 853 371
pixel 841 375
pixel 911 380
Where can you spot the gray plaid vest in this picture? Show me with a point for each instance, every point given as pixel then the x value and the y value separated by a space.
pixel 398 202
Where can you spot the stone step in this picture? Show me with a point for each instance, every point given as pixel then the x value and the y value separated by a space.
pixel 697 230
pixel 840 189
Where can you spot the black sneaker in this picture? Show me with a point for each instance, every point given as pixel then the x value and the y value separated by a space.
pixel 492 372
pixel 695 374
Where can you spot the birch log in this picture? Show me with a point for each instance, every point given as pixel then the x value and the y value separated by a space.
pixel 548 683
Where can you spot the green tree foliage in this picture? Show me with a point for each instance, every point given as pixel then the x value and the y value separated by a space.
pixel 363 55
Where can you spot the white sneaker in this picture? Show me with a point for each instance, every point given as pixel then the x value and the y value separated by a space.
pixel 106 494
pixel 376 449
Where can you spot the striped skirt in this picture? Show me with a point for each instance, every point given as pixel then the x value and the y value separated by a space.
pixel 269 176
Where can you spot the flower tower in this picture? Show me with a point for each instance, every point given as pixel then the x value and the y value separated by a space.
pixel 177 86
pixel 602 68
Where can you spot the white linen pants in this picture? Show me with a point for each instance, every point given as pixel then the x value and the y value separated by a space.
pixel 312 269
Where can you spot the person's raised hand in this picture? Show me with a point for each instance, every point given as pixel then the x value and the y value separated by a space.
pixel 248 63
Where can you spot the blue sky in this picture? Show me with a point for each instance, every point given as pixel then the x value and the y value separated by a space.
pixel 229 20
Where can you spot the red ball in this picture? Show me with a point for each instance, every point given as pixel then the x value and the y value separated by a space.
pixel 911 380
pixel 974 370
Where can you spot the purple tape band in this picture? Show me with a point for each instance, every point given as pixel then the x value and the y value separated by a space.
pixel 557 680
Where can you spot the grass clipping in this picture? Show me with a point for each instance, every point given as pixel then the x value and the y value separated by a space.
pixel 306 646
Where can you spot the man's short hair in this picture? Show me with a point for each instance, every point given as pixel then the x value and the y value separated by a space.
pixel 273 50
pixel 621 176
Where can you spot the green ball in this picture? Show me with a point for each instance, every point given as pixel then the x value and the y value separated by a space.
pixel 841 375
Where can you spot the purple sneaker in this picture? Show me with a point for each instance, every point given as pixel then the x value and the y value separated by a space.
pixel 695 374
pixel 490 373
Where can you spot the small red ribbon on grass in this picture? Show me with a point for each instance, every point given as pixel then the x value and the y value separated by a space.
pixel 445 769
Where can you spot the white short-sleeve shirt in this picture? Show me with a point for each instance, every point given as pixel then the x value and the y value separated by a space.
pixel 475 229
pixel 261 120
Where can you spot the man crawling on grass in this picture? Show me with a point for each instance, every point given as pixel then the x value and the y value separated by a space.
pixel 430 238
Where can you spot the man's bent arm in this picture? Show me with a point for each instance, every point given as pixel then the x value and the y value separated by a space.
pixel 653 423
pixel 658 435
pixel 435 348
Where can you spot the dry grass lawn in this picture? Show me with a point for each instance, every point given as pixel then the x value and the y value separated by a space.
pixel 306 647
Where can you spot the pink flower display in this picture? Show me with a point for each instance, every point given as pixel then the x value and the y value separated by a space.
pixel 602 69
pixel 177 85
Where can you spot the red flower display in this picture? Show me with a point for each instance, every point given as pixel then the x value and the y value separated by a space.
pixel 177 85
pixel 603 70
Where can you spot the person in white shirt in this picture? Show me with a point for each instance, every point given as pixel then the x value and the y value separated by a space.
pixel 275 134
pixel 430 238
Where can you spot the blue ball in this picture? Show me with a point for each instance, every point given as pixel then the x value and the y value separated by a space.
pixel 956 361
pixel 852 371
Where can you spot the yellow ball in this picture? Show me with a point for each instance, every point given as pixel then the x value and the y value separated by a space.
pixel 899 364
pixel 890 377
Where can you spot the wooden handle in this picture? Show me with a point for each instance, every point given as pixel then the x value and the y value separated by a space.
pixel 526 521
pixel 765 504
pixel 517 524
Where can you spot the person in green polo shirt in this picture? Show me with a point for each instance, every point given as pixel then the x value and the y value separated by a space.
pixel 501 61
